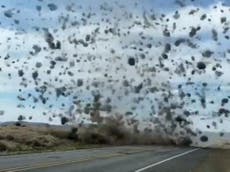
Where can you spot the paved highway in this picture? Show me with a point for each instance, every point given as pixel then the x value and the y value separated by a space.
pixel 116 159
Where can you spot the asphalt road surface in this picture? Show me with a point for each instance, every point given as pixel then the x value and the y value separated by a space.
pixel 120 159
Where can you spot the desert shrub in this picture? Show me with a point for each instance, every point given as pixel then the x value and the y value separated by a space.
pixel 8 146
pixel 3 147
pixel 45 141
pixel 73 135
pixel 115 132
pixel 36 143
pixel 9 137
pixel 58 133
pixel 91 137
pixel 18 124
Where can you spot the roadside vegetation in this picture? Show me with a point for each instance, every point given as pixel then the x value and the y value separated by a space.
pixel 22 138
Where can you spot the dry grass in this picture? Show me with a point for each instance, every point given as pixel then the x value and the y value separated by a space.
pixel 14 138
pixel 24 138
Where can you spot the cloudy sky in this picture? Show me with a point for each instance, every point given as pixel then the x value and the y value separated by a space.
pixel 97 41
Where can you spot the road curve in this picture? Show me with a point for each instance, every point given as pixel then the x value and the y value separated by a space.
pixel 112 159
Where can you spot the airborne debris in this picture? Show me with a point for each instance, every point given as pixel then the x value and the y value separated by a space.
pixel 201 65
pixel 81 63
pixel 131 61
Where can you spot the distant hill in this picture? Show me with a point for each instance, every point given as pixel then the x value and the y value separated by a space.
pixel 36 124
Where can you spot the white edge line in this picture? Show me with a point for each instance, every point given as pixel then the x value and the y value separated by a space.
pixel 165 160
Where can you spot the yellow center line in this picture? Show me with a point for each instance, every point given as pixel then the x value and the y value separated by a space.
pixel 53 164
